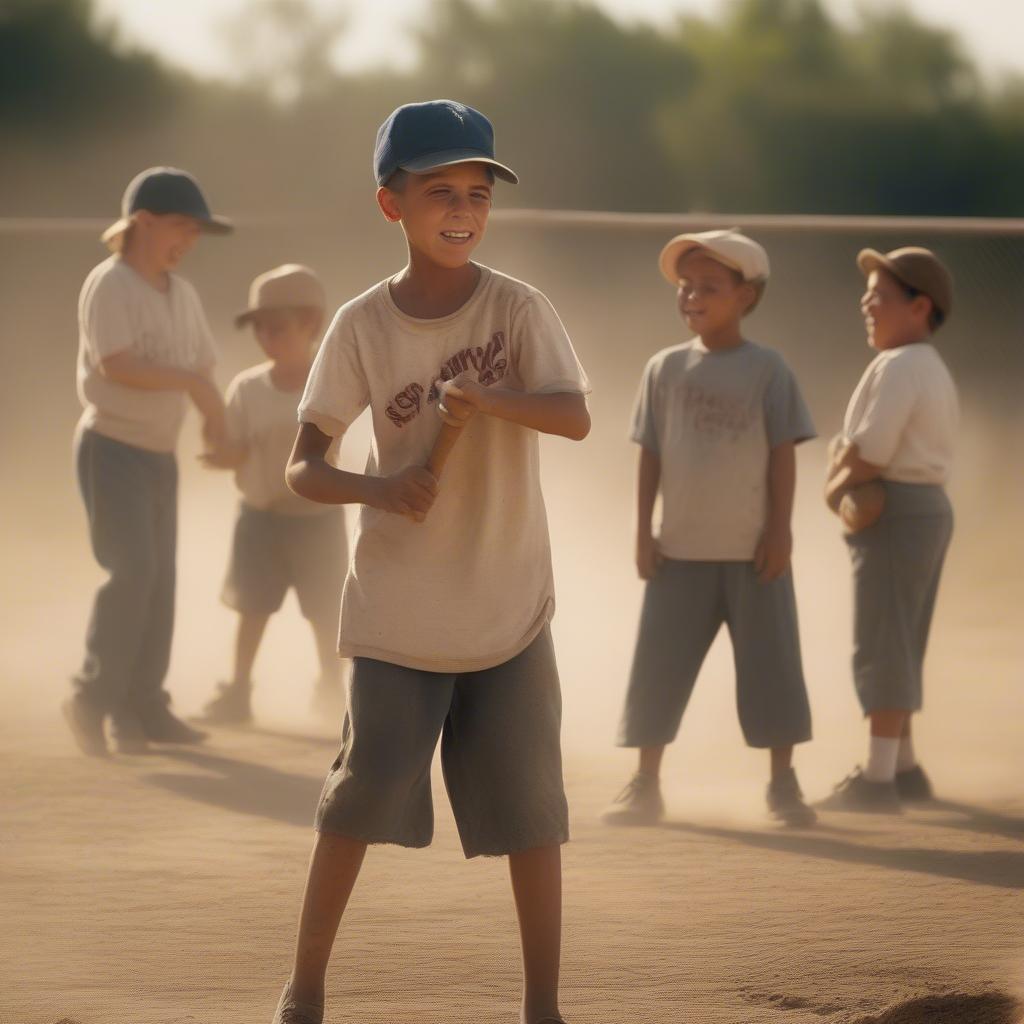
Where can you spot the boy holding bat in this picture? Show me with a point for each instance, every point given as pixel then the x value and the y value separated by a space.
pixel 446 606
pixel 717 420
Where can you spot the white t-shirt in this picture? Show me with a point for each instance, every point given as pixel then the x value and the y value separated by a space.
pixel 712 417
pixel 904 413
pixel 118 311
pixel 471 586
pixel 262 416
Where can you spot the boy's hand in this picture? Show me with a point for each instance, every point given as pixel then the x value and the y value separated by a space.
pixel 226 455
pixel 460 400
pixel 410 492
pixel 774 550
pixel 648 557
pixel 208 402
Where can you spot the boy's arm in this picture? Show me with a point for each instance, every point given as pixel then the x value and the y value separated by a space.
pixel 847 471
pixel 563 413
pixel 648 557
pixel 130 371
pixel 774 549
pixel 228 455
pixel 309 475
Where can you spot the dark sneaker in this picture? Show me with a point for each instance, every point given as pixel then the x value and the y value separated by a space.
pixel 289 1011
pixel 914 786
pixel 855 793
pixel 639 803
pixel 786 802
pixel 129 736
pixel 86 725
pixel 230 706
pixel 161 725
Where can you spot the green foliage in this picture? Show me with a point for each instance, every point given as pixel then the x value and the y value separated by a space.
pixel 771 106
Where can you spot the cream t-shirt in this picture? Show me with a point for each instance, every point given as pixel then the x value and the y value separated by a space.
pixel 471 586
pixel 262 416
pixel 118 311
pixel 904 414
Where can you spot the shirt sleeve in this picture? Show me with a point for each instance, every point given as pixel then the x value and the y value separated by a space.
pixel 337 390
pixel 105 320
pixel 786 416
pixel 644 428
pixel 546 360
pixel 888 405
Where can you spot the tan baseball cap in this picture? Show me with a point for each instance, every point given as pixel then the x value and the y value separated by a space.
pixel 290 286
pixel 730 248
pixel 917 268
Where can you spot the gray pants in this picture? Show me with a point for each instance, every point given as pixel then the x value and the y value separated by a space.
pixel 684 607
pixel 897 565
pixel 131 500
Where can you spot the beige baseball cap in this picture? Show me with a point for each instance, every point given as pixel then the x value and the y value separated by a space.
pixel 917 268
pixel 290 286
pixel 729 247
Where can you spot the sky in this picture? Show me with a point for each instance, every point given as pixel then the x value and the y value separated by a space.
pixel 189 32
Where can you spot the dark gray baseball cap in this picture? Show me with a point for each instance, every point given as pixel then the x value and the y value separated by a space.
pixel 166 190
pixel 422 137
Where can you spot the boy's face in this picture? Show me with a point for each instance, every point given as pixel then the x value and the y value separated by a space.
pixel 167 237
pixel 286 335
pixel 443 213
pixel 711 296
pixel 891 316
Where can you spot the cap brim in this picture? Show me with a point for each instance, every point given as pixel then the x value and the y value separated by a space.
pixel 668 261
pixel 119 227
pixel 217 225
pixel 435 161
pixel 872 259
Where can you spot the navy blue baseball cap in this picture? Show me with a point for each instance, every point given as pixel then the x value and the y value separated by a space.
pixel 165 190
pixel 421 137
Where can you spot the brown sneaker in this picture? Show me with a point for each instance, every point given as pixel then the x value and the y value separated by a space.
pixel 86 724
pixel 913 786
pixel 291 1012
pixel 231 705
pixel 786 802
pixel 129 736
pixel 855 793
pixel 639 803
pixel 161 725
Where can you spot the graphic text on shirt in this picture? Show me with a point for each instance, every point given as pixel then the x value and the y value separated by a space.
pixel 490 362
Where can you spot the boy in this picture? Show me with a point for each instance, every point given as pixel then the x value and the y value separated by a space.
pixel 144 347
pixel 898 438
pixel 280 540
pixel 449 593
pixel 717 419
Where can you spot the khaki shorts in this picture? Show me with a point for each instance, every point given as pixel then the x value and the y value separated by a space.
pixel 271 553
pixel 500 751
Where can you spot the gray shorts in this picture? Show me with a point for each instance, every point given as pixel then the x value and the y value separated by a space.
pixel 500 752
pixel 897 564
pixel 684 606
pixel 271 552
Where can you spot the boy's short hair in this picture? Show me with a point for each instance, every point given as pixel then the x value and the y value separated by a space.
pixel 421 137
pixel 918 271
pixel 745 258
pixel 289 286
pixel 163 190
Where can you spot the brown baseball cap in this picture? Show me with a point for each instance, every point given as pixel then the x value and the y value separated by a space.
pixel 290 286
pixel 915 267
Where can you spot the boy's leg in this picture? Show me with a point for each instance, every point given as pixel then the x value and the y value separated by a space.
pixel 333 870
pixel 116 482
pixel 251 627
pixel 537 888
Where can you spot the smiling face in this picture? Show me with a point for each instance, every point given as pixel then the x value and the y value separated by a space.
pixel 712 298
pixel 893 315
pixel 165 238
pixel 443 213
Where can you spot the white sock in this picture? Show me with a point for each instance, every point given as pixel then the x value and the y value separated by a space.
pixel 882 759
pixel 906 759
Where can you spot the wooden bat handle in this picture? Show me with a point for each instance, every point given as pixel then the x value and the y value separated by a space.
pixel 443 445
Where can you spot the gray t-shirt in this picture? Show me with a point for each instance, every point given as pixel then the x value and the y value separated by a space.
pixel 119 311
pixel 471 586
pixel 712 417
